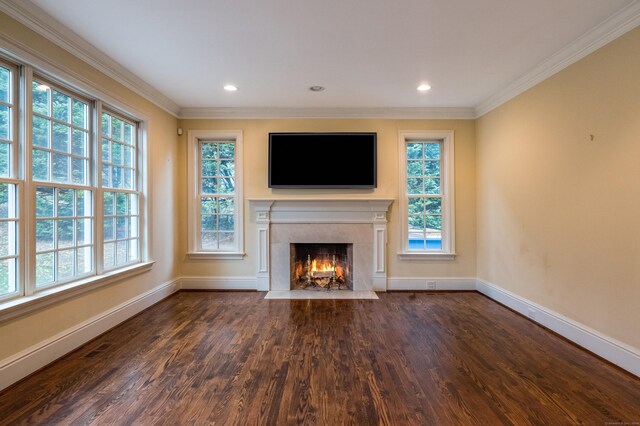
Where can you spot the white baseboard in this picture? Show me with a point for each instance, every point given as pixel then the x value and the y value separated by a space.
pixel 34 358
pixel 442 284
pixel 218 283
pixel 607 347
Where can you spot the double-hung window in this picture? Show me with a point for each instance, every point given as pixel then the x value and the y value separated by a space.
pixel 120 191
pixel 71 189
pixel 63 192
pixel 427 194
pixel 215 191
pixel 9 183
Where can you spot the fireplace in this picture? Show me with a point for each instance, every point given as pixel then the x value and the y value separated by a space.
pixel 319 266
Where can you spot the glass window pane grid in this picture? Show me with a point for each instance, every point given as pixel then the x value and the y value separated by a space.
pixel 8 241
pixel 61 272
pixel 8 104
pixel 422 154
pixel 114 258
pixel 124 170
pixel 216 225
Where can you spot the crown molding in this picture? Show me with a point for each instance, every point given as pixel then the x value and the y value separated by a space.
pixel 615 26
pixel 265 113
pixel 37 20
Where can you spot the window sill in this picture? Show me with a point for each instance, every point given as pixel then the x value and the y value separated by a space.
pixel 220 255
pixel 407 255
pixel 26 304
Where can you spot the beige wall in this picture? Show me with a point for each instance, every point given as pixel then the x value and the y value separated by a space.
pixel 26 331
pixel 256 136
pixel 558 213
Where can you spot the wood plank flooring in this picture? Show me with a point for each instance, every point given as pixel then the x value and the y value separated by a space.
pixel 406 359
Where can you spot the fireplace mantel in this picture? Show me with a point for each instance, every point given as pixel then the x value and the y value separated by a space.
pixel 321 210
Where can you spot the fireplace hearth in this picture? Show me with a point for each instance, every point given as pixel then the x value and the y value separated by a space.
pixel 318 266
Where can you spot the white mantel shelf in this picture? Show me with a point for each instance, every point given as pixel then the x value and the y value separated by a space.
pixel 321 210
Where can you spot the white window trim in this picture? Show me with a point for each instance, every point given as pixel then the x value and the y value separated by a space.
pixel 193 211
pixel 448 196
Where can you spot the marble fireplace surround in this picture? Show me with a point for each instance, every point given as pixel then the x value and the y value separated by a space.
pixel 361 222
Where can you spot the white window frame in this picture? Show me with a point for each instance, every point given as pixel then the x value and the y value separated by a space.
pixel 29 298
pixel 446 138
pixel 14 179
pixel 194 138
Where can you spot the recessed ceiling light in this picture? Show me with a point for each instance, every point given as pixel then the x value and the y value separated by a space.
pixel 423 87
pixel 316 88
pixel 230 88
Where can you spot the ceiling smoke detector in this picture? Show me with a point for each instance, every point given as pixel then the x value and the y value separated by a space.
pixel 316 88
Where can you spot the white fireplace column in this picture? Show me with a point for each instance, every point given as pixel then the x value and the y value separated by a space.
pixel 306 216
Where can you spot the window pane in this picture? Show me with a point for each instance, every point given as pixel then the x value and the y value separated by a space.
pixel 44 235
pixel 40 131
pixel 116 128
pixel 65 233
pixel 5 122
pixel 5 159
pixel 226 240
pixel 416 205
pixel 79 143
pixel 66 261
pixel 209 222
pixel 133 204
pixel 44 202
pixel 121 203
pixel 133 250
pixel 209 240
pixel 61 105
pixel 210 186
pixel 83 203
pixel 225 222
pixel 66 202
pixel 129 133
pixel 128 156
pixel 116 177
pixel 133 226
pixel 209 168
pixel 106 124
pixel 109 229
pixel 414 168
pixel 7 276
pixel 414 186
pixel 109 203
pixel 208 205
pixel 414 151
pixel 432 186
pixel 109 255
pixel 41 94
pixel 226 205
pixel 44 269
pixel 116 153
pixel 121 252
pixel 7 201
pixel 41 162
pixel 432 150
pixel 121 228
pixel 106 150
pixel 60 168
pixel 106 176
pixel 5 85
pixel 433 205
pixel 84 262
pixel 434 223
pixel 432 168
pixel 80 114
pixel 209 151
pixel 84 232
pixel 7 238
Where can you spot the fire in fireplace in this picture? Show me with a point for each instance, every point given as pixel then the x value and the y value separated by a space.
pixel 321 266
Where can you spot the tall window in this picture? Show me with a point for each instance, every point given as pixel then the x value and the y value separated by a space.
pixel 71 188
pixel 8 182
pixel 119 176
pixel 216 191
pixel 63 194
pixel 426 164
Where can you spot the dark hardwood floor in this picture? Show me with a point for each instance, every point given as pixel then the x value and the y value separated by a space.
pixel 406 359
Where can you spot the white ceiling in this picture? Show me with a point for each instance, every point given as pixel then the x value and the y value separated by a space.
pixel 367 53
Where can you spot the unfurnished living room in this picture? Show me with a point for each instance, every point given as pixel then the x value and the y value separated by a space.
pixel 331 212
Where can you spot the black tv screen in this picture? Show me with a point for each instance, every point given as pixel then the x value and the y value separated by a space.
pixel 322 160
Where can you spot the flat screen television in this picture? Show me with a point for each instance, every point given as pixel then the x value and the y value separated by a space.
pixel 322 160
